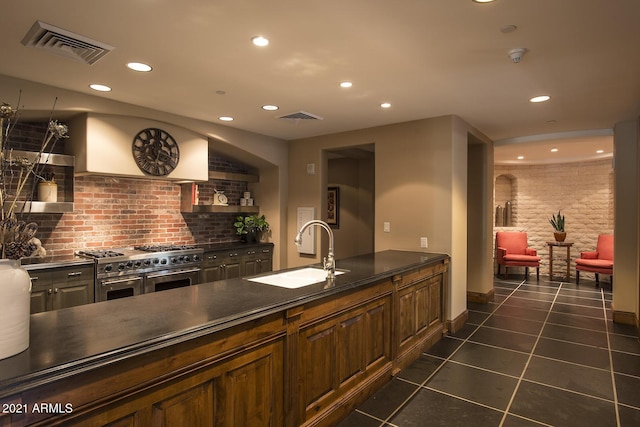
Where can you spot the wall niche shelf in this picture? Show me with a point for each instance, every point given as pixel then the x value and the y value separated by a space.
pixel 56 161
pixel 187 196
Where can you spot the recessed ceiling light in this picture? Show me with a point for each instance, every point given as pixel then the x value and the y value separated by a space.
pixel 483 1
pixel 226 118
pixel 600 151
pixel 541 98
pixel 346 84
pixel 270 107
pixel 505 29
pixel 139 66
pixel 100 88
pixel 385 105
pixel 520 157
pixel 554 150
pixel 260 41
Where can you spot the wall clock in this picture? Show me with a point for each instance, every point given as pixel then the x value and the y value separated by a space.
pixel 155 152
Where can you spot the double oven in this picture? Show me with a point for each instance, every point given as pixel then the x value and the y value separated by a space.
pixel 133 271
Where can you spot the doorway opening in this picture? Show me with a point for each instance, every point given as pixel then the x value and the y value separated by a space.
pixel 350 200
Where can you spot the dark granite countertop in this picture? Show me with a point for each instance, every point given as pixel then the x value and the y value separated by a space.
pixel 81 338
pixel 37 263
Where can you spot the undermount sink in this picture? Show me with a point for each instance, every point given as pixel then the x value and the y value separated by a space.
pixel 294 279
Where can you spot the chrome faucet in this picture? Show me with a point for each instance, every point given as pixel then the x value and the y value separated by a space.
pixel 329 262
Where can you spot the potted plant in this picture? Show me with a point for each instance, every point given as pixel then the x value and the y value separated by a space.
pixel 251 227
pixel 557 222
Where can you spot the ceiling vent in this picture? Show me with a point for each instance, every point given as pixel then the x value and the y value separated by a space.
pixel 300 115
pixel 65 43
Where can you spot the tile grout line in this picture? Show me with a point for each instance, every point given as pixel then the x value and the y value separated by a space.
pixel 526 365
pixel 613 377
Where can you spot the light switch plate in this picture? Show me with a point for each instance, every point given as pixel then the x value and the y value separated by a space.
pixel 386 227
pixel 424 242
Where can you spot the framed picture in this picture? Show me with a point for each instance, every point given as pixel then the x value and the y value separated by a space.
pixel 333 206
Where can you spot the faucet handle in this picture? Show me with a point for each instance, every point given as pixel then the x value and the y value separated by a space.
pixel 324 263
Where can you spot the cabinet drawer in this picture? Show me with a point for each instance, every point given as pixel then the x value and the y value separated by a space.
pixel 80 273
pixel 40 279
pixel 421 274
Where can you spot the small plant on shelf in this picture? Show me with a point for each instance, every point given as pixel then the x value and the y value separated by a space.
pixel 251 227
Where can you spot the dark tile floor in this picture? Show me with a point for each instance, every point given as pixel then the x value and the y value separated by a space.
pixel 543 353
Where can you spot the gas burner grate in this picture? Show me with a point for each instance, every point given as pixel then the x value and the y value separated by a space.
pixel 163 248
pixel 99 253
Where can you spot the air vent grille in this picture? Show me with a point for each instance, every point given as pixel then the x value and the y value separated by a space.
pixel 61 42
pixel 301 115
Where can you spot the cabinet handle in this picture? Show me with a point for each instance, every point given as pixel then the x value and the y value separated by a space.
pixel 34 278
pixel 50 291
pixel 55 291
pixel 265 251
pixel 74 273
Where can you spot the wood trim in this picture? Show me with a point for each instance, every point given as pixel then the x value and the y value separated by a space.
pixel 480 297
pixel 625 317
pixel 456 324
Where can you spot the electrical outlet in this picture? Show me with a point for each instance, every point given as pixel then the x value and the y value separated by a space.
pixel 424 243
pixel 387 227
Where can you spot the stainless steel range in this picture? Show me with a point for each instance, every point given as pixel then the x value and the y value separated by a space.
pixel 127 272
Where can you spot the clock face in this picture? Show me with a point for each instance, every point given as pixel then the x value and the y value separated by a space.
pixel 155 152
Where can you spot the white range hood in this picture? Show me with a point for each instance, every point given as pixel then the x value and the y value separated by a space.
pixel 103 145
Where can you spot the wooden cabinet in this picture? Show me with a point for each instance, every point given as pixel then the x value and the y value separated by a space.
pixel 221 265
pixel 61 287
pixel 238 262
pixel 308 364
pixel 419 307
pixel 244 391
pixel 338 353
pixel 257 260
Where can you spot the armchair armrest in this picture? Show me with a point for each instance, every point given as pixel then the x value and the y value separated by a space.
pixel 589 255
pixel 501 252
pixel 530 251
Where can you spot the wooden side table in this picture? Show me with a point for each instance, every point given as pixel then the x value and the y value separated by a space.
pixel 561 245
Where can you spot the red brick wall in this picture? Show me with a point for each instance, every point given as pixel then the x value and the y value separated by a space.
pixel 119 212
pixel 114 212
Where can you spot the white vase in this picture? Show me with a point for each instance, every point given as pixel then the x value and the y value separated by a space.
pixel 15 298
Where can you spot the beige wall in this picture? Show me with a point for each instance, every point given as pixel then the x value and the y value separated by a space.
pixel 420 189
pixel 626 268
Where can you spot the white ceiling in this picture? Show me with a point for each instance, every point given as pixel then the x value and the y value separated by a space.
pixel 426 57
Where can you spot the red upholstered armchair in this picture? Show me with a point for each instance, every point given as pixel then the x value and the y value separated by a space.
pixel 512 250
pixel 598 261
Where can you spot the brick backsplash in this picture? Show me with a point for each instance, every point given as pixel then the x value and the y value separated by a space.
pixel 582 190
pixel 112 212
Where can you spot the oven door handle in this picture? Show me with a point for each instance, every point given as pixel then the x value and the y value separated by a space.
pixel 155 276
pixel 115 282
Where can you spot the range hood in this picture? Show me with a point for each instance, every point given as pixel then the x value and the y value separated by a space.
pixel 103 145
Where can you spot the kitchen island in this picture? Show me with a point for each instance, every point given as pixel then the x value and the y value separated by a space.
pixel 231 352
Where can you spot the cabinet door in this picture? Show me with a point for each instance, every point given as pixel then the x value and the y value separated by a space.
pixel 72 295
pixel 40 286
pixel 73 285
pixel 232 269
pixel 339 352
pixel 265 263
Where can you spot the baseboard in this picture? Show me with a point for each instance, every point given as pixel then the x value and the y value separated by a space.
pixel 480 297
pixel 456 324
pixel 624 317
